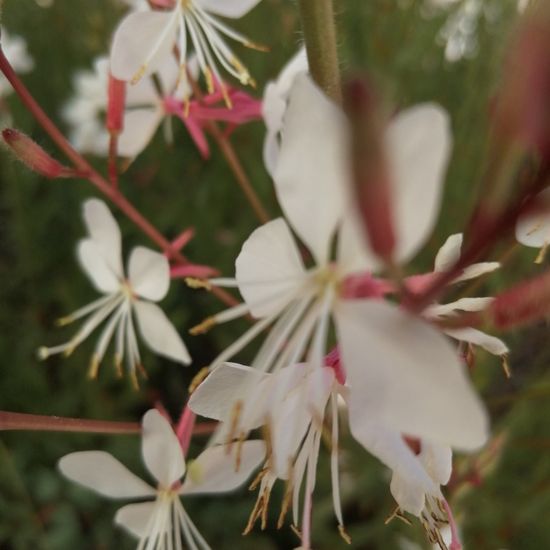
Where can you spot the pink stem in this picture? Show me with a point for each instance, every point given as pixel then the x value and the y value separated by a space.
pixel 455 539
pixel 185 427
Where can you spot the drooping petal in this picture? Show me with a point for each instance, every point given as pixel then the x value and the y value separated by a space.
pixel 214 469
pixel 312 174
pixel 159 333
pixel 354 253
pixel 228 8
pixel 407 376
pixel 225 386
pixel 533 229
pixel 463 304
pixel 479 338
pixel 135 517
pixel 148 273
pixel 161 449
pixel 390 448
pixel 96 267
pixel 140 126
pixel 438 461
pixel 269 268
pixel 104 474
pixel 418 148
pixel 141 42
pixel 449 253
pixel 477 270
pixel 104 231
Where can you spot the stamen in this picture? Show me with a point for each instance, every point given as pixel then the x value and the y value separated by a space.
pixel 203 327
pixel 195 283
pixel 94 366
pixel 344 534
pixel 235 417
pixel 542 254
pixel 506 366
pixel 198 378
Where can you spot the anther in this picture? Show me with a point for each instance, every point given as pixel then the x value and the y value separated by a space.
pixel 42 353
pixel 203 327
pixel 94 367
pixel 139 75
pixel 542 254
pixel 506 366
pixel 195 283
pixel 344 534
pixel 198 378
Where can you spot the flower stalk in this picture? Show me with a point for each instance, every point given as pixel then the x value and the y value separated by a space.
pixel 320 38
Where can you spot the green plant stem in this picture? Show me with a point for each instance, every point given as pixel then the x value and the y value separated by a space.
pixel 320 37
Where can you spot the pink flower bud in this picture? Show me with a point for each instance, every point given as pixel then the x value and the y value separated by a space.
pixel 115 106
pixel 33 156
pixel 524 303
pixel 370 171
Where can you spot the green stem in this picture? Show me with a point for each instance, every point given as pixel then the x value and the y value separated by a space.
pixel 320 38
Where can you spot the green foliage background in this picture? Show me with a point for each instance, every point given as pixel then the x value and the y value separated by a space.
pixel 398 42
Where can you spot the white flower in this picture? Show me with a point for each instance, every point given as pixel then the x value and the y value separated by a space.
pixel 533 229
pixel 404 376
pixel 144 112
pixel 162 523
pixel 447 256
pixel 275 102
pixel 15 49
pixel 124 297
pixel 145 38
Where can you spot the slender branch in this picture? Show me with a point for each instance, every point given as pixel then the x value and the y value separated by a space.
pixel 10 421
pixel 232 160
pixel 320 37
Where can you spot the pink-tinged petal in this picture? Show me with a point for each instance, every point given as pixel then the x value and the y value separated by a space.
pixel 449 253
pixel 141 42
pixel 269 268
pixel 418 147
pixel 225 386
pixel 533 229
pixel 148 273
pixel 104 231
pixel 104 474
pixel 161 449
pixel 406 375
pixel 159 333
pixel 492 344
pixel 312 173
pixel 96 267
pixel 135 518
pixel 214 469
pixel 477 270
pixel 140 126
pixel 233 9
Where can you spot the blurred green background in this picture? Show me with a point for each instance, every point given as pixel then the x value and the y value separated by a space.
pixel 401 43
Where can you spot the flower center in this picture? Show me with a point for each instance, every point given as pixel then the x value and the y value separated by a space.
pixel 126 291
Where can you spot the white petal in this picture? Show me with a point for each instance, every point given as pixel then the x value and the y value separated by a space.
pixel 140 126
pixel 312 175
pixel 228 8
pixel 438 461
pixel 142 36
pixel 159 333
pixel 226 385
pixel 271 151
pixel 473 336
pixel 104 231
pixel 405 373
pixel 214 470
pixel 476 270
pixel 149 273
pixel 161 449
pixel 104 474
pixel 135 517
pixel 463 304
pixel 389 448
pixel 534 229
pixel 418 146
pixel 268 268
pixel 449 253
pixel 96 267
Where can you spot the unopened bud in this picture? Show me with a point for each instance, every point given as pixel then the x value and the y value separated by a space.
pixel 33 156
pixel 115 104
pixel 524 303
pixel 372 182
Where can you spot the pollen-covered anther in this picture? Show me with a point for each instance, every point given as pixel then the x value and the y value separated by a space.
pixel 196 283
pixel 139 75
pixel 118 365
pixel 94 367
pixel 198 378
pixel 64 321
pixel 235 417
pixel 239 451
pixel 204 327
pixel 345 536
pixel 506 366
pixel 542 254
pixel 43 353
pixel 397 514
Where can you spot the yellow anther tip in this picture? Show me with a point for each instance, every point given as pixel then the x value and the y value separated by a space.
pixel 42 353
pixel 203 327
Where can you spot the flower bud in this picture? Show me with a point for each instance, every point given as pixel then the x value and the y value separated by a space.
pixel 115 105
pixel 33 156
pixel 372 183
